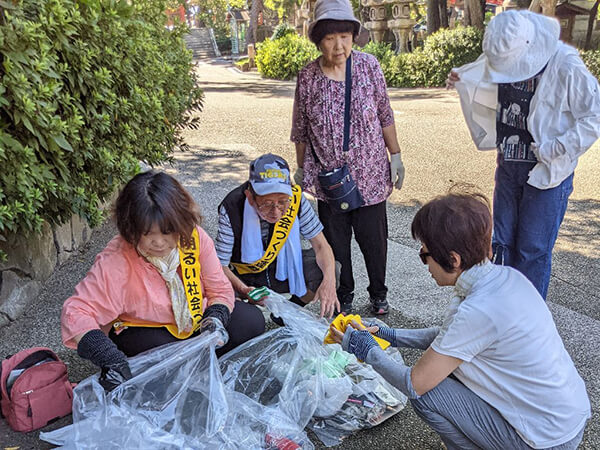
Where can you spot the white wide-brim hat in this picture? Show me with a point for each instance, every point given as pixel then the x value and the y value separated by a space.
pixel 332 10
pixel 518 45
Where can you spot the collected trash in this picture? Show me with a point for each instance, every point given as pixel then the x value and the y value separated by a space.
pixel 315 385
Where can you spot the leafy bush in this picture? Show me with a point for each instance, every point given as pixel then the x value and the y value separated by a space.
pixel 448 48
pixel 223 43
pixel 591 58
pixel 409 69
pixel 283 58
pixel 281 30
pixel 240 62
pixel 87 89
pixel 385 55
pixel 430 65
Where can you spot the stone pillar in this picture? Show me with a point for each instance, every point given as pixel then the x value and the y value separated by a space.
pixel 304 14
pixel 401 23
pixel 377 24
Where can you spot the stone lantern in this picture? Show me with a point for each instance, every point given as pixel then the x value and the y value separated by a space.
pixel 401 23
pixel 377 24
pixel 304 14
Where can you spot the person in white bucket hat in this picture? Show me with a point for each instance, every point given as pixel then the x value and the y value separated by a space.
pixel 318 127
pixel 531 97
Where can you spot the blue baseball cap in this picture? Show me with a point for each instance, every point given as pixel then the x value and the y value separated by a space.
pixel 270 174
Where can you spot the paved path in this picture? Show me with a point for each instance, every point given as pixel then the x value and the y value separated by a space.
pixel 245 116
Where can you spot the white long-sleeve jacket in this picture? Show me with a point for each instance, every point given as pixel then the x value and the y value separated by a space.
pixel 564 115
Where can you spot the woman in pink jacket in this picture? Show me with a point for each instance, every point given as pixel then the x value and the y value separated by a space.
pixel 157 282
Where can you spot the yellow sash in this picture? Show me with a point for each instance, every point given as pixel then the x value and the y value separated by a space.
pixel 280 235
pixel 189 261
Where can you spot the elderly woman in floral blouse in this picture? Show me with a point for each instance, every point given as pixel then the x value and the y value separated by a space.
pixel 318 126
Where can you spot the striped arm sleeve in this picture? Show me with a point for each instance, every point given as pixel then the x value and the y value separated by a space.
pixel 225 239
pixel 310 225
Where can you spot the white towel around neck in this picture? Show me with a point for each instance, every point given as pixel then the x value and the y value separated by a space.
pixel 289 259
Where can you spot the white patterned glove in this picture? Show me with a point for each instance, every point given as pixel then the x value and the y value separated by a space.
pixel 299 176
pixel 397 170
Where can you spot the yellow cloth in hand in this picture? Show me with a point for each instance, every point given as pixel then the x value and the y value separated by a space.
pixel 341 322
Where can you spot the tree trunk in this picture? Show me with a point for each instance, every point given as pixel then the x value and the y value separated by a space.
pixel 443 8
pixel 255 9
pixel 433 16
pixel 590 27
pixel 473 14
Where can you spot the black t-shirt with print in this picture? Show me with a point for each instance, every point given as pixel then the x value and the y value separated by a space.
pixel 512 136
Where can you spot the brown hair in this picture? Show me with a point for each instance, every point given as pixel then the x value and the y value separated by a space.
pixel 459 222
pixel 155 198
pixel 329 26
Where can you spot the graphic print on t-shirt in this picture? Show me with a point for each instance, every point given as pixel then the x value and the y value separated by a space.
pixel 513 137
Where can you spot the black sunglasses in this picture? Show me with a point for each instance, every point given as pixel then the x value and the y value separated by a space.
pixel 423 255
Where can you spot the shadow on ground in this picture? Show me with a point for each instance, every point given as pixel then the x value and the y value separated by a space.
pixel 264 89
pixel 576 260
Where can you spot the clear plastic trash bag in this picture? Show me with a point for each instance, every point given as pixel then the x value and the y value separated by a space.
pixel 176 400
pixel 316 385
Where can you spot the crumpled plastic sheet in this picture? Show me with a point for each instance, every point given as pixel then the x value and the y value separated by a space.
pixel 176 400
pixel 258 396
pixel 320 386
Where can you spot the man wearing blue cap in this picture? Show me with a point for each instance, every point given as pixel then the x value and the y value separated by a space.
pixel 261 223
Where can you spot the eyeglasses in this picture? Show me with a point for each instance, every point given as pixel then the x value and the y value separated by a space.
pixel 269 206
pixel 423 255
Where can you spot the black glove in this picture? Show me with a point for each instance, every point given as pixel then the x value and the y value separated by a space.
pixel 216 317
pixel 113 376
pixel 99 349
pixel 217 311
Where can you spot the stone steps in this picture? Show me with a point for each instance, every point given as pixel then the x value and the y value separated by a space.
pixel 198 40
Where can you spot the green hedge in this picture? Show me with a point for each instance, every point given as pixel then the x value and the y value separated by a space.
pixel 384 54
pixel 283 58
pixel 430 65
pixel 87 89
pixel 223 43
pixel 448 48
pixel 591 58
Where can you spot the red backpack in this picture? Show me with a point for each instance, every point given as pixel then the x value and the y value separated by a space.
pixel 34 389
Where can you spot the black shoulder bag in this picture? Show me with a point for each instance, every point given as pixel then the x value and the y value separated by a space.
pixel 338 185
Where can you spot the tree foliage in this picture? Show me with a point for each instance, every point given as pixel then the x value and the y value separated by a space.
pixel 87 89
pixel 213 13
pixel 284 8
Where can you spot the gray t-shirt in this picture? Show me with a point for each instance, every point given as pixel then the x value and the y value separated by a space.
pixel 514 358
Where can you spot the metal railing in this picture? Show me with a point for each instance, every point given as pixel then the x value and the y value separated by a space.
pixel 214 43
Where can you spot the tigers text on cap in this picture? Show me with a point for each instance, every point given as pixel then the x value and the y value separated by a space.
pixel 270 174
pixel 518 45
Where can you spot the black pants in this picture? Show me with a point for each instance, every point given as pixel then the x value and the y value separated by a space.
pixel 370 227
pixel 246 322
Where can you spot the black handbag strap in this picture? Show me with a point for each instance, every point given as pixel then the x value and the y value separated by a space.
pixel 347 101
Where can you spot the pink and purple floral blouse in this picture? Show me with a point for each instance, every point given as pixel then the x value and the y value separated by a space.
pixel 318 120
